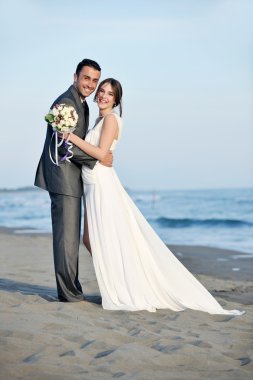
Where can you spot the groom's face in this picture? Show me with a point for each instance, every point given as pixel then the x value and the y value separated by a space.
pixel 87 80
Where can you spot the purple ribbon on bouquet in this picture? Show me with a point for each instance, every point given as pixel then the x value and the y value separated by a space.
pixel 69 153
pixel 67 145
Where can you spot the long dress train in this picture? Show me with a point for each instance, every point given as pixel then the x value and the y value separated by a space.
pixel 134 268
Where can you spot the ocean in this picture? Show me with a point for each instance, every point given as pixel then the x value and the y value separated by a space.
pixel 217 218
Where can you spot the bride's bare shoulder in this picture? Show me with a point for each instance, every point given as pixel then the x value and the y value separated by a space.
pixel 111 119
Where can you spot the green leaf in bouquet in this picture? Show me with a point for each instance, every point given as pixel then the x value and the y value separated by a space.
pixel 49 118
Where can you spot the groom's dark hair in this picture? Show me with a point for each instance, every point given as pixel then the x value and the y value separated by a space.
pixel 89 63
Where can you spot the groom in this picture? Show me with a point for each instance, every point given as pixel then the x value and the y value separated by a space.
pixel 64 184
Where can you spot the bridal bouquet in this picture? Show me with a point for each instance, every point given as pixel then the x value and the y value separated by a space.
pixel 63 119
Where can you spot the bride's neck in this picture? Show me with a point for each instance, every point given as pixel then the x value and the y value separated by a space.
pixel 104 113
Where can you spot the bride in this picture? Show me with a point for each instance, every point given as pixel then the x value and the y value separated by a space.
pixel 135 270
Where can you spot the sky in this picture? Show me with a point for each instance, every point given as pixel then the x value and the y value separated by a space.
pixel 186 71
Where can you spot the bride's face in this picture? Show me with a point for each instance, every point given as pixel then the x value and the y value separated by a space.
pixel 105 97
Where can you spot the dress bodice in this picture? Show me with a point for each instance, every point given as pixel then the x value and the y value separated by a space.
pixel 89 176
pixel 93 135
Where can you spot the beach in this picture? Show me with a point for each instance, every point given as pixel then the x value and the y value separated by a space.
pixel 44 339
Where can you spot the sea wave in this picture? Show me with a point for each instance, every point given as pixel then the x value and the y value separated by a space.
pixel 189 222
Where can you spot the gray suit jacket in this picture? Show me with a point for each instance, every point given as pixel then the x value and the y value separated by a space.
pixel 65 178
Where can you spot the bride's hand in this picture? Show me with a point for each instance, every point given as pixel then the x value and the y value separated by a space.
pixel 108 160
pixel 64 135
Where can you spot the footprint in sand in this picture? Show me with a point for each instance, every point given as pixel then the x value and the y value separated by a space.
pixel 31 358
pixel 84 345
pixel 68 353
pixel 104 353
pixel 244 361
pixel 165 348
pixel 200 343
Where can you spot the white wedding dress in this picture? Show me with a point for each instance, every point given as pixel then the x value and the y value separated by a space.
pixel 134 268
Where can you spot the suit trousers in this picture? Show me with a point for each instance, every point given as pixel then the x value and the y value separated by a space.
pixel 66 224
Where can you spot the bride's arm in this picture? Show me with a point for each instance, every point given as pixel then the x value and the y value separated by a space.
pixel 108 134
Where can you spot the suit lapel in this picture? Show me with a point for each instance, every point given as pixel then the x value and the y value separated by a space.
pixel 82 110
pixel 77 99
pixel 86 116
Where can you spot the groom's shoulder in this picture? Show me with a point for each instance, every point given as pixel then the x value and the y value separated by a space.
pixel 67 97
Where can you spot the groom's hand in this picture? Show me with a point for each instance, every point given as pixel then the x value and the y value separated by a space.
pixel 108 160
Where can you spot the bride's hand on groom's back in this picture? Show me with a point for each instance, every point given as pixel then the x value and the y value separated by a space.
pixel 108 160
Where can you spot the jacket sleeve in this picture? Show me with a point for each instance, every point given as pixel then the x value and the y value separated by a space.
pixel 82 158
pixel 79 157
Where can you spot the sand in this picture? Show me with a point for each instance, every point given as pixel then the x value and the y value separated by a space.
pixel 44 339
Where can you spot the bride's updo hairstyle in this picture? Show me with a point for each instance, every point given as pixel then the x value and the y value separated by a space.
pixel 117 91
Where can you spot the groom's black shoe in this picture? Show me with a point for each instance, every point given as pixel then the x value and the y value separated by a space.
pixel 93 299
pixel 62 299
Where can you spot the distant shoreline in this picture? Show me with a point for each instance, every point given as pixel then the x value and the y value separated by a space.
pixel 13 189
pixel 31 188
